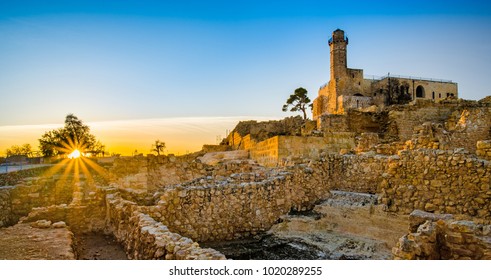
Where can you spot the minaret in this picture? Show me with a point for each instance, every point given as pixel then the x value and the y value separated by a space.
pixel 337 44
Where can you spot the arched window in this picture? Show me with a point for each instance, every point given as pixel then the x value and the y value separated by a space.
pixel 420 92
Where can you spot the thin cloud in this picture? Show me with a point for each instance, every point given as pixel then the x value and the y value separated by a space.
pixel 125 136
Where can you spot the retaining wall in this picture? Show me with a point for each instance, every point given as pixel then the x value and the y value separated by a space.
pixel 442 237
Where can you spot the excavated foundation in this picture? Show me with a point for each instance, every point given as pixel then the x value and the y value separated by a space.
pixel 98 246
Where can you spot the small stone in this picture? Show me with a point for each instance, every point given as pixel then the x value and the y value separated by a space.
pixel 430 207
pixel 41 224
pixel 59 224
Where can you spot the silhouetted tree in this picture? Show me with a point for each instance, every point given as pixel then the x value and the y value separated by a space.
pixel 74 135
pixel 396 92
pixel 299 102
pixel 158 147
pixel 98 149
pixel 24 150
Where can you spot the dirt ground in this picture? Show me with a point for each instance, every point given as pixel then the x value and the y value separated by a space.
pixel 23 242
pixel 96 246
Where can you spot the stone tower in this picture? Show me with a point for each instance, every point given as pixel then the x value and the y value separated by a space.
pixel 338 43
pixel 348 89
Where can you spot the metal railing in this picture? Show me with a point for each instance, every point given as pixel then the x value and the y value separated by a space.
pixel 378 78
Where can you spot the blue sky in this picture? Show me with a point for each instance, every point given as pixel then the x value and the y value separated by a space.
pixel 127 60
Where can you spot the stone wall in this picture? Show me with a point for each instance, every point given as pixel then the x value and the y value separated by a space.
pixel 295 146
pixel 333 123
pixel 468 126
pixel 266 152
pixel 438 181
pixel 483 149
pixel 456 124
pixel 244 204
pixel 354 121
pixel 274 150
pixel 353 173
pixel 223 212
pixel 404 118
pixel 6 218
pixel 17 201
pixel 216 148
pixel 337 141
pixel 40 192
pixel 350 102
pixel 144 238
pixel 241 206
pixel 260 131
pixel 84 213
pixel 454 181
pixel 13 178
pixel 437 237
pixel 164 171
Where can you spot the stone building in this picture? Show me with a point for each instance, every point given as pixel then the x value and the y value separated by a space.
pixel 347 87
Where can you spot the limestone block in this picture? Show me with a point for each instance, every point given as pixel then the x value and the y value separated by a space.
pixel 59 224
pixel 463 226
pixel 418 217
pixel 41 224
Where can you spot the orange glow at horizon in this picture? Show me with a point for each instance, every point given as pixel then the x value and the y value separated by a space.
pixel 181 135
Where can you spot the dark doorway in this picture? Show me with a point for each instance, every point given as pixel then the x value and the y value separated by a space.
pixel 420 92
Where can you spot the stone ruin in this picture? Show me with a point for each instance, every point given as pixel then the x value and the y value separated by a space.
pixel 409 182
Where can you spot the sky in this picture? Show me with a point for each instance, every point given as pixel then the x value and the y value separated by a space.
pixel 185 72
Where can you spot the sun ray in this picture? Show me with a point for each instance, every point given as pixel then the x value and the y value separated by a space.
pixel 54 169
pixel 101 171
pixel 74 165
pixel 76 176
pixel 85 170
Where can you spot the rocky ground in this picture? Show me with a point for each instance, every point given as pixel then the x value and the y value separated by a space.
pixel 43 241
pixel 326 246
pixel 26 242
pixel 95 246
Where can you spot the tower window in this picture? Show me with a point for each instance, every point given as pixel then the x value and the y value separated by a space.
pixel 439 95
pixel 433 95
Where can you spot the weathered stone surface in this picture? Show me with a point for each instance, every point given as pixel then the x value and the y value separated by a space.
pixel 444 239
pixel 41 224
pixel 59 224
pixel 144 238
pixel 24 242
pixel 418 217
pixel 214 158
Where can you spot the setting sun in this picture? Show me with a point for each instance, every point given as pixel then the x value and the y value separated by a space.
pixel 74 154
